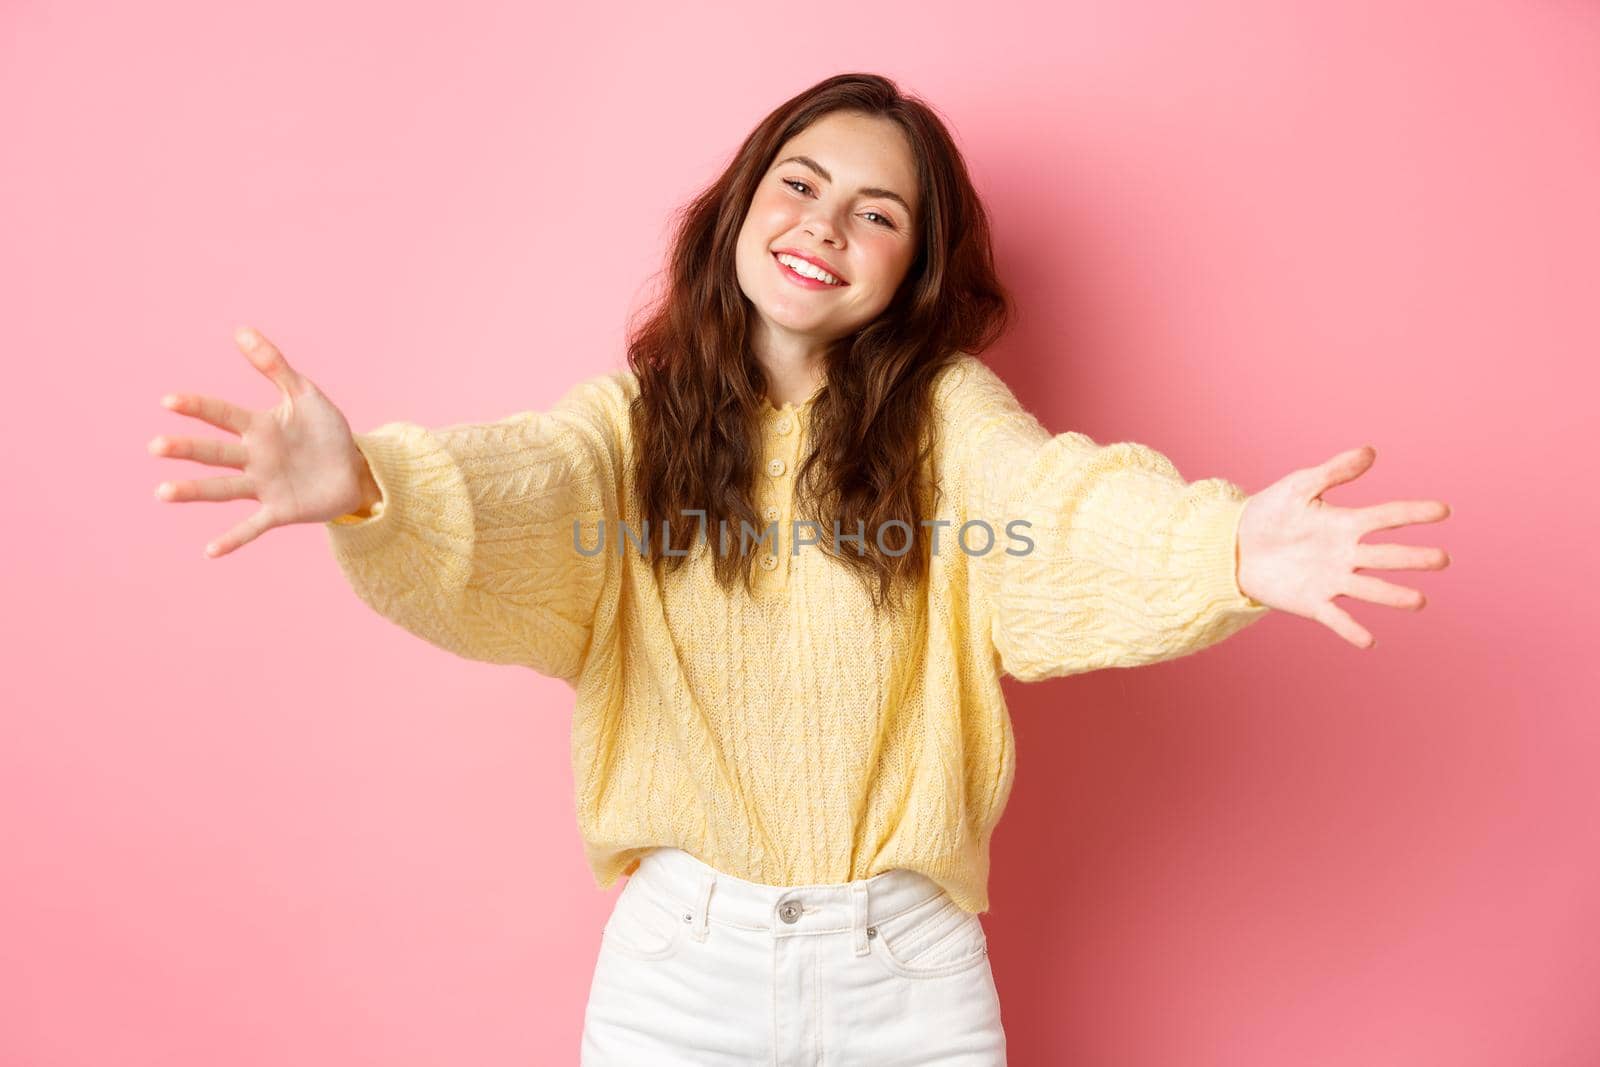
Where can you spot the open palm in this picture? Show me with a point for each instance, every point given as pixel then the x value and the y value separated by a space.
pixel 1297 552
pixel 299 458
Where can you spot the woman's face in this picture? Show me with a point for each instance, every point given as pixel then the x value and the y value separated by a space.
pixel 843 193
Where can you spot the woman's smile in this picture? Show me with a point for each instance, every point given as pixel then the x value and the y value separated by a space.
pixel 800 279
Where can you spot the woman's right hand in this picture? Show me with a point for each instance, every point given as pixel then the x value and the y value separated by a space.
pixel 299 459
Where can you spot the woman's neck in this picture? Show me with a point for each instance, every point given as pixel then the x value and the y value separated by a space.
pixel 793 380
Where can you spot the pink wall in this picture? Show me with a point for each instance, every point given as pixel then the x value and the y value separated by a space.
pixel 246 821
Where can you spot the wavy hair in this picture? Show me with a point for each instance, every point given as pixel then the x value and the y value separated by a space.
pixel 697 419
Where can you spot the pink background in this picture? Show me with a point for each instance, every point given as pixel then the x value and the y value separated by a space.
pixel 246 821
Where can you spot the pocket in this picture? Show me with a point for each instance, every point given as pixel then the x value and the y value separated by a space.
pixel 930 940
pixel 643 925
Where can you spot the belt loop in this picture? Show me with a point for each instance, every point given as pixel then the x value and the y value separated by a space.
pixel 858 926
pixel 702 907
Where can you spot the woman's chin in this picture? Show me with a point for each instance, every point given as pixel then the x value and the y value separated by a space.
pixel 811 327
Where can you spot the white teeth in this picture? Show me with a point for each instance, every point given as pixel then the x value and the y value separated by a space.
pixel 800 266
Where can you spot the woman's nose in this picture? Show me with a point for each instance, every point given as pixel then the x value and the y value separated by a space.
pixel 822 227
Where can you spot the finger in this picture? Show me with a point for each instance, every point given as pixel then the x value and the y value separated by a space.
pixel 219 413
pixel 1345 467
pixel 1339 621
pixel 1401 557
pixel 202 450
pixel 235 487
pixel 1379 591
pixel 1399 513
pixel 266 358
pixel 251 528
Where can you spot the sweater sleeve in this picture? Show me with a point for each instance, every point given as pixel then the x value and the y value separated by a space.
pixel 472 546
pixel 1129 564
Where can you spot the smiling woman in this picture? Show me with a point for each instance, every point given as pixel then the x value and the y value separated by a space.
pixel 802 772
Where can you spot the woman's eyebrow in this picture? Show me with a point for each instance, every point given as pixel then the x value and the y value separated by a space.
pixel 887 194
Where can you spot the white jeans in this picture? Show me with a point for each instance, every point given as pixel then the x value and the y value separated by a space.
pixel 698 967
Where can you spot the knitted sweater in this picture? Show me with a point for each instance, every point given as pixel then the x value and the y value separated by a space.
pixel 788 736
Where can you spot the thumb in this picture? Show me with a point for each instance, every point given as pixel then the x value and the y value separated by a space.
pixel 265 357
pixel 1344 467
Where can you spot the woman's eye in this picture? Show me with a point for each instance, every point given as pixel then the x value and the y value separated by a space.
pixel 886 222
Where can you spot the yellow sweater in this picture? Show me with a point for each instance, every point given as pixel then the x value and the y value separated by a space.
pixel 785 736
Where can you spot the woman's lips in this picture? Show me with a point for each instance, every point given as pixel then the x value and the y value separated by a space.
pixel 800 279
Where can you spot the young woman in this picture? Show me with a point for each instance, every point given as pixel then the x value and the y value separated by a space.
pixel 784 560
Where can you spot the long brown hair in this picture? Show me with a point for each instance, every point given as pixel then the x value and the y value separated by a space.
pixel 697 419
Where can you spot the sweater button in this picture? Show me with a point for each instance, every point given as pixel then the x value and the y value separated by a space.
pixel 771 513
pixel 774 466
pixel 769 562
pixel 784 424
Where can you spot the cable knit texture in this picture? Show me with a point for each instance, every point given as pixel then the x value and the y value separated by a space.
pixel 787 736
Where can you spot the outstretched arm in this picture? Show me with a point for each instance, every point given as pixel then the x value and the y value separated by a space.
pixel 1130 563
pixel 471 543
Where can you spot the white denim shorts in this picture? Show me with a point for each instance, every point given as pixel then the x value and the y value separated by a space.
pixel 698 967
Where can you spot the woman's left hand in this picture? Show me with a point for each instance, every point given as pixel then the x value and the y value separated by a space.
pixel 1297 552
